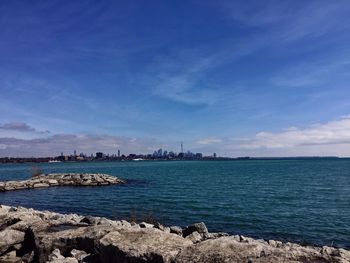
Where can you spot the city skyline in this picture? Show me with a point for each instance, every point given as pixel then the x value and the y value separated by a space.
pixel 235 78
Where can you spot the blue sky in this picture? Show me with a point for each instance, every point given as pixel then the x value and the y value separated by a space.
pixel 258 78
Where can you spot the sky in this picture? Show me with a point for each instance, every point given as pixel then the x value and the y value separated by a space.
pixel 239 78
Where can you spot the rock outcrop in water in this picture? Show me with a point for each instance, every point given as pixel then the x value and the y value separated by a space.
pixel 27 235
pixel 64 179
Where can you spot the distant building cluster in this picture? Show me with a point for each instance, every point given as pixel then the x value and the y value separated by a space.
pixel 156 155
pixel 100 156
pixel 160 154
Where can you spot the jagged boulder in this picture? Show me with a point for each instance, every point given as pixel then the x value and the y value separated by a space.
pixel 145 225
pixel 81 238
pixel 176 230
pixel 200 228
pixel 80 255
pixel 10 237
pixel 11 257
pixel 140 245
pixel 56 257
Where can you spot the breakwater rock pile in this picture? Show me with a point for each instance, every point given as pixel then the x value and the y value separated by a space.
pixel 27 235
pixel 61 179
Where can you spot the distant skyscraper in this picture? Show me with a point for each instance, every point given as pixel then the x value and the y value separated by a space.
pixel 75 152
pixel 118 153
pixel 182 148
pixel 99 155
pixel 214 155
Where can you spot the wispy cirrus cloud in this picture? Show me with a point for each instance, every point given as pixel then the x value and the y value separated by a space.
pixel 290 20
pixel 329 70
pixel 185 75
pixel 210 140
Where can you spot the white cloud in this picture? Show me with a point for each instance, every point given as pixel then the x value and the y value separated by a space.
pixel 334 132
pixel 320 139
pixel 210 140
pixel 331 138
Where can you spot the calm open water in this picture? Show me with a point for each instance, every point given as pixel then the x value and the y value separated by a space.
pixel 307 201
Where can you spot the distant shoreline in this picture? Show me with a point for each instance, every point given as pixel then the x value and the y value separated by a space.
pixel 18 160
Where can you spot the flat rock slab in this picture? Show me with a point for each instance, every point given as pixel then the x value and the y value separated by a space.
pixel 233 249
pixel 61 179
pixel 141 245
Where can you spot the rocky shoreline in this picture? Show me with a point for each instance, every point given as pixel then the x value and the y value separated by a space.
pixel 27 235
pixel 61 179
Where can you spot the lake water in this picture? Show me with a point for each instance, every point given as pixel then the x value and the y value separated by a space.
pixel 306 201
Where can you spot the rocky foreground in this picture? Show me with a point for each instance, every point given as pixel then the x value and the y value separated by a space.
pixel 64 179
pixel 27 235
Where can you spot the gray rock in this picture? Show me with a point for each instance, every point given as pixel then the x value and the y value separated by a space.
pixel 217 235
pixel 10 257
pixel 199 227
pixel 82 238
pixel 140 245
pixel 52 180
pixel 159 226
pixel 56 257
pixel 89 220
pixel 342 254
pixel 224 249
pixel 166 229
pixel 145 225
pixel 34 236
pixel 64 260
pixel 195 237
pixel 176 230
pixel 38 185
pixel 79 254
pixel 10 237
pixel 28 257
pixel 56 254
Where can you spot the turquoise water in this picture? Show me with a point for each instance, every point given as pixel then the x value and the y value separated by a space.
pixel 307 201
